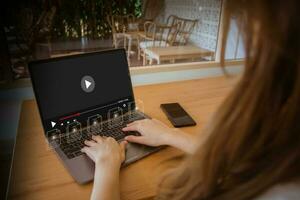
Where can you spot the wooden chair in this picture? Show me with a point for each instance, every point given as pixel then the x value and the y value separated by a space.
pixel 156 35
pixel 131 23
pixel 120 24
pixel 186 27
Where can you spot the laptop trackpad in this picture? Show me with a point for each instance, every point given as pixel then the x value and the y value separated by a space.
pixel 136 151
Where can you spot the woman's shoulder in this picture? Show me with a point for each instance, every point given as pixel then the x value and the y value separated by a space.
pixel 290 191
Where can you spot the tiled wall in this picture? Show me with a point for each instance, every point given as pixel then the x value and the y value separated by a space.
pixel 207 11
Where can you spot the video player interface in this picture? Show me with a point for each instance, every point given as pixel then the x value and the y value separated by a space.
pixel 81 90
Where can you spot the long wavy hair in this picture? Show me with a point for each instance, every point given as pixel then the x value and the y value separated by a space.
pixel 253 140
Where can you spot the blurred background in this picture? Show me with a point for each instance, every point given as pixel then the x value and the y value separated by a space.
pixel 37 29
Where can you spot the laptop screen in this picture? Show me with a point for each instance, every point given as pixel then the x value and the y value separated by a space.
pixel 75 89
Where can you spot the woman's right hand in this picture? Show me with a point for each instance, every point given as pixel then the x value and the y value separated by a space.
pixel 155 133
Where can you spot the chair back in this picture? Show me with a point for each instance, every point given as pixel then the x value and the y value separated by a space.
pixel 171 19
pixel 186 27
pixel 160 35
pixel 122 23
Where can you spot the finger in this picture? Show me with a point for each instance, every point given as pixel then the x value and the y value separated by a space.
pixel 135 139
pixel 123 149
pixel 130 128
pixel 123 145
pixel 111 139
pixel 88 152
pixel 136 122
pixel 97 138
pixel 132 123
pixel 90 143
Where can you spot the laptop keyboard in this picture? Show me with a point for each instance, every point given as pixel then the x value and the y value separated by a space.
pixel 71 144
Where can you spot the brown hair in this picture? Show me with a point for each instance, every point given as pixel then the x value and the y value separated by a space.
pixel 253 140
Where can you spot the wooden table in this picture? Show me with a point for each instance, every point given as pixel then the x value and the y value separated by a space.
pixel 38 174
pixel 176 52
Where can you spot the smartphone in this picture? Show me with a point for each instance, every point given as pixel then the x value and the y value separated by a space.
pixel 177 115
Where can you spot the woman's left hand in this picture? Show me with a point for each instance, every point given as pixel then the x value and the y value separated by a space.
pixel 105 151
pixel 108 156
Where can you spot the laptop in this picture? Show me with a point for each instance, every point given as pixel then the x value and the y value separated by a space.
pixel 83 95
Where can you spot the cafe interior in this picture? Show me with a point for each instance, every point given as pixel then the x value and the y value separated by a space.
pixel 165 41
pixel 152 32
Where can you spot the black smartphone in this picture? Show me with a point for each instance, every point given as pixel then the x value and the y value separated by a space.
pixel 177 115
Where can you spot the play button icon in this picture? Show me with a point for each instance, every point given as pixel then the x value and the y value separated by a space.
pixel 87 84
pixel 53 124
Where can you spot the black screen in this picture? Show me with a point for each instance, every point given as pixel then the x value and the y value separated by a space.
pixel 58 83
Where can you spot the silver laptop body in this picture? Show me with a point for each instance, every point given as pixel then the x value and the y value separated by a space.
pixel 83 95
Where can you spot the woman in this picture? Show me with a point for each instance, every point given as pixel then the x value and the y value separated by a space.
pixel 252 148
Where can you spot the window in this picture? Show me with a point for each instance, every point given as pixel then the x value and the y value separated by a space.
pixel 235 45
pixel 152 31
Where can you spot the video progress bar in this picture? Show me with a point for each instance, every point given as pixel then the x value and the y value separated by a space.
pixel 87 111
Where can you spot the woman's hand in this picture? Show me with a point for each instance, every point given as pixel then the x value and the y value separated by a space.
pixel 108 156
pixel 155 133
pixel 105 151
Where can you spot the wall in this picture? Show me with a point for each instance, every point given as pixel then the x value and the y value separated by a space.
pixel 207 11
pixel 235 44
